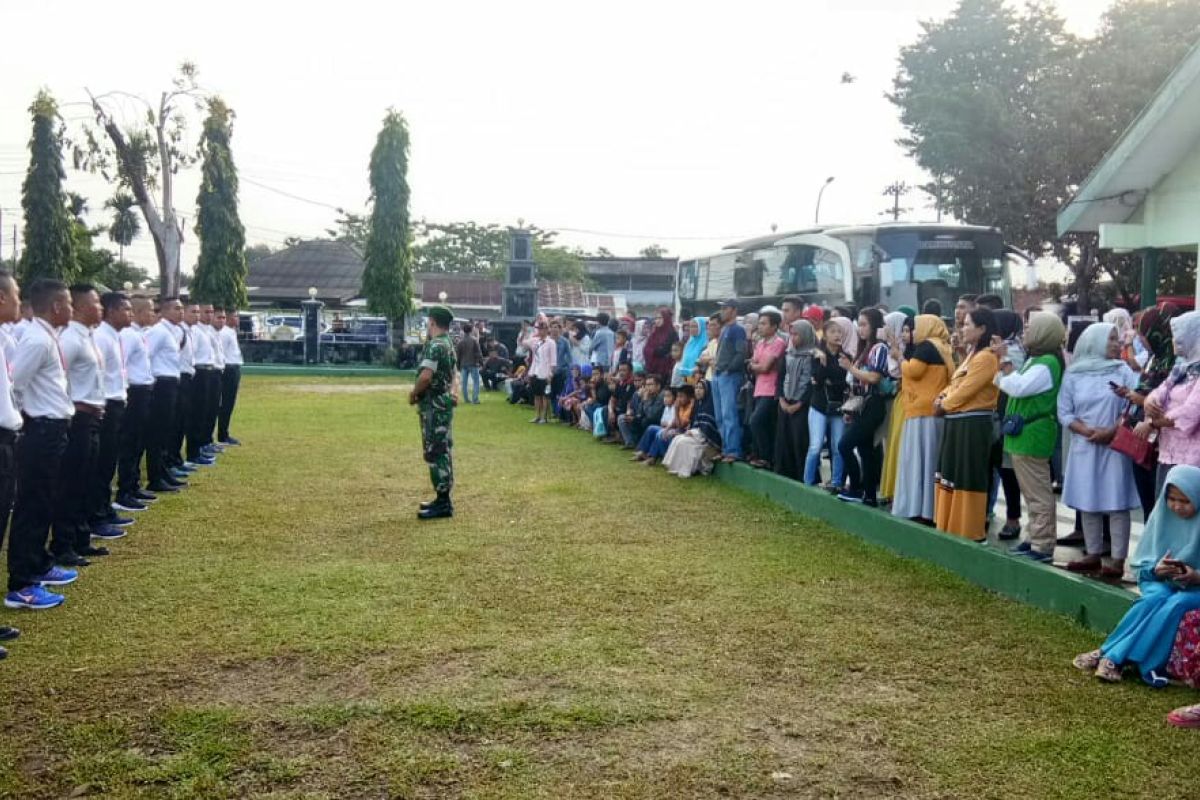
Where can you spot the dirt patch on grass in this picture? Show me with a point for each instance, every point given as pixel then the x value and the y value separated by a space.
pixel 348 388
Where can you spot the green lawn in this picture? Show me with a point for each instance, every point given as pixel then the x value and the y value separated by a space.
pixel 585 627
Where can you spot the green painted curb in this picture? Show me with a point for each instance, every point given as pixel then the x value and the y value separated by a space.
pixel 1090 603
pixel 326 371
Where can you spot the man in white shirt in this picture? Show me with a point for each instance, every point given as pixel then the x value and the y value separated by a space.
pixel 163 343
pixel 21 325
pixel 117 316
pixel 205 387
pixel 10 419
pixel 139 395
pixel 71 543
pixel 39 376
pixel 187 373
pixel 231 378
pixel 211 447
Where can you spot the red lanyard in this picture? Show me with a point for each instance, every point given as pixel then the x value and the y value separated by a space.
pixel 54 337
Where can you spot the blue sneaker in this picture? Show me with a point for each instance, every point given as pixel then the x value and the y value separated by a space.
pixel 118 521
pixel 202 461
pixel 108 532
pixel 34 598
pixel 1021 549
pixel 178 474
pixel 229 441
pixel 57 576
pixel 188 468
pixel 1156 679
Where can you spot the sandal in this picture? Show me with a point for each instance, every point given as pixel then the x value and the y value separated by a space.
pixel 1186 717
pixel 1108 671
pixel 1088 661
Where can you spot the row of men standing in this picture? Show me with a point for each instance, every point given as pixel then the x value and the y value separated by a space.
pixel 89 385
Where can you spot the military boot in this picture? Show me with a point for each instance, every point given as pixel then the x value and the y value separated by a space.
pixel 442 507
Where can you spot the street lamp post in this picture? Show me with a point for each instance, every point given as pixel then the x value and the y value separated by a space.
pixel 817 216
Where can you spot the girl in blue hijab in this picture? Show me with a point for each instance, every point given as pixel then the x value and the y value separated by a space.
pixel 697 339
pixel 1167 564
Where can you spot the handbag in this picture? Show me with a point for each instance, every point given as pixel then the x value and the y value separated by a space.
pixel 1013 424
pixel 853 405
pixel 1143 452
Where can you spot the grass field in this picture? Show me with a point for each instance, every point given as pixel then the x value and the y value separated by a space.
pixel 585 627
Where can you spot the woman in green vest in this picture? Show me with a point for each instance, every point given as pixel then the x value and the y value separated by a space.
pixel 1031 426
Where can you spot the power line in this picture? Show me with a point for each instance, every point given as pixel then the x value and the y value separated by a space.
pixel 290 195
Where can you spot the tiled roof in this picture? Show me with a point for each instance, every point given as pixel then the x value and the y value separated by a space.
pixel 560 295
pixel 334 268
pixel 463 290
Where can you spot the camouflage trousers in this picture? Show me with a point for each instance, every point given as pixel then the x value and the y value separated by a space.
pixel 437 441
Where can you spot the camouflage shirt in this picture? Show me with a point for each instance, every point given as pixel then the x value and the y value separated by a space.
pixel 438 356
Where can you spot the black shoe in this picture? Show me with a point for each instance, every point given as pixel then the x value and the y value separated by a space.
pixel 145 496
pixel 178 484
pixel 8 634
pixel 162 487
pixel 71 560
pixel 94 552
pixel 428 504
pixel 3 654
pixel 127 503
pixel 438 510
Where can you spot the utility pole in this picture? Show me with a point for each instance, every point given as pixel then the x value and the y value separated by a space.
pixel 896 191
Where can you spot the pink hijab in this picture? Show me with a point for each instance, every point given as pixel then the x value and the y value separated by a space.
pixel 849 335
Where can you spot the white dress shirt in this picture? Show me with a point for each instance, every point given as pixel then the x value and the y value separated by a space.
pixel 137 357
pixel 39 373
pixel 10 418
pixel 112 353
pixel 202 344
pixel 230 348
pixel 85 364
pixel 19 329
pixel 218 352
pixel 162 342
pixel 187 353
pixel 1035 380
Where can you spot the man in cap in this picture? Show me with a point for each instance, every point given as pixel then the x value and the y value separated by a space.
pixel 435 396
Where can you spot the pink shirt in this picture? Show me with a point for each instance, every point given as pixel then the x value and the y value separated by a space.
pixel 1180 444
pixel 765 383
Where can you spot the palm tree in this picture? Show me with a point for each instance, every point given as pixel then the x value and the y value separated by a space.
pixel 125 224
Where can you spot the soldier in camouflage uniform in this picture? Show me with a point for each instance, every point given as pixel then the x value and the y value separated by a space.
pixel 435 398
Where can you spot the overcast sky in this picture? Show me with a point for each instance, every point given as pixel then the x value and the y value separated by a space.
pixel 620 124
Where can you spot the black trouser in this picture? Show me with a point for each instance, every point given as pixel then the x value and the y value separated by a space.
pixel 134 430
pixel 214 405
pixel 39 459
pixel 1012 493
pixel 100 492
pixel 791 442
pixel 860 438
pixel 8 479
pixel 183 418
pixel 162 428
pixel 493 380
pixel 230 379
pixel 205 391
pixel 1144 479
pixel 72 529
pixel 762 427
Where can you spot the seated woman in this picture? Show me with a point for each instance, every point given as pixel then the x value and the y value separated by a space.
pixel 694 451
pixel 656 447
pixel 574 394
pixel 1166 563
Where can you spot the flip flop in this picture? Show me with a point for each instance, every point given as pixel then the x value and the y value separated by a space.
pixel 1186 717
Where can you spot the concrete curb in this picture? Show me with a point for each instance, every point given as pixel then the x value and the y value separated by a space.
pixel 326 371
pixel 1090 603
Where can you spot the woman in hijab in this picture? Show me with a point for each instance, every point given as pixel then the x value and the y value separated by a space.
pixel 1099 480
pixel 1166 562
pixel 657 352
pixel 898 328
pixel 1174 407
pixel 637 345
pixel 867 375
pixel 791 426
pixel 968 405
pixel 693 451
pixel 1031 426
pixel 1009 327
pixel 1119 318
pixel 924 376
pixel 697 339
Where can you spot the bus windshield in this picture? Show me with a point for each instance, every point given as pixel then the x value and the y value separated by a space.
pixel 913 266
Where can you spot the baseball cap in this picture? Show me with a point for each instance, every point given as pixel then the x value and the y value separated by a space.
pixel 730 303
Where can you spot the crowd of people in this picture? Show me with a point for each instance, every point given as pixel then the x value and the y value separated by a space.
pixel 924 415
pixel 107 403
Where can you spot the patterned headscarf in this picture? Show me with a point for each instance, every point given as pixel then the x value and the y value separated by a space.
pixel 1154 325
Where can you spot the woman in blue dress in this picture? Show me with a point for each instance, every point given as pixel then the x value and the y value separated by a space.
pixel 1166 563
pixel 1099 480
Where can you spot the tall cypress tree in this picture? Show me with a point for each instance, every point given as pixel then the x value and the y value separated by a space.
pixel 387 280
pixel 49 229
pixel 220 276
